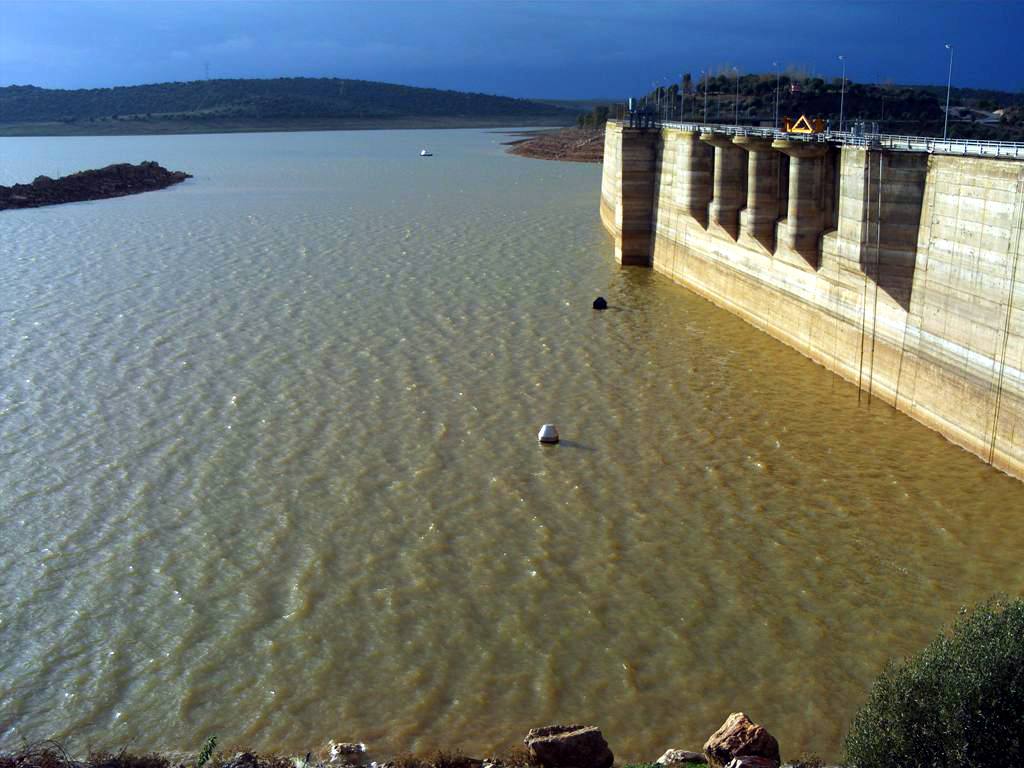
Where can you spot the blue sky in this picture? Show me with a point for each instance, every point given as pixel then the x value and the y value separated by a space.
pixel 574 49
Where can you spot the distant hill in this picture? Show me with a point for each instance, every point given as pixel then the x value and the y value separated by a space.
pixel 986 98
pixel 250 102
pixel 581 105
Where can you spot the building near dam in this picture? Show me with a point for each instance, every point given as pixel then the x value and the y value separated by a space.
pixel 894 262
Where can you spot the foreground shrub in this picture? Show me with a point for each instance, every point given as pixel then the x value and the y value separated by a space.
pixel 45 754
pixel 445 759
pixel 407 760
pixel 959 703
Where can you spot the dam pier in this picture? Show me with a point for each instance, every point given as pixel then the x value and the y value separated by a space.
pixel 895 262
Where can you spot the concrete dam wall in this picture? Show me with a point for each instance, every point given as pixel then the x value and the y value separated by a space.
pixel 899 271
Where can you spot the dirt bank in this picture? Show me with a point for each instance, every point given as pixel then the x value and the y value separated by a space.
pixel 577 145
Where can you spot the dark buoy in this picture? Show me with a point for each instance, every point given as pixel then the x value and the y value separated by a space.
pixel 600 303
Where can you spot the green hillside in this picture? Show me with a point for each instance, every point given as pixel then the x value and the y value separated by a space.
pixel 240 102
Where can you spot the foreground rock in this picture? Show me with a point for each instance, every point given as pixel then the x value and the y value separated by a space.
pixel 112 181
pixel 569 746
pixel 741 737
pixel 349 752
pixel 243 760
pixel 681 757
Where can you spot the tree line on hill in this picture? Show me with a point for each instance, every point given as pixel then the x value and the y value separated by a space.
pixel 901 109
pixel 282 98
pixel 595 118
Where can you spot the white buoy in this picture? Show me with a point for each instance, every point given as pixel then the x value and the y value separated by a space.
pixel 548 434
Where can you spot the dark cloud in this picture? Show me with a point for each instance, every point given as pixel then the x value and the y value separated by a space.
pixel 553 49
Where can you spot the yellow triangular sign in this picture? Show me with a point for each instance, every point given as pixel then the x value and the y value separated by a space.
pixel 802 125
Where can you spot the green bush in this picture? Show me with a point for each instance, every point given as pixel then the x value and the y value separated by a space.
pixel 207 752
pixel 959 702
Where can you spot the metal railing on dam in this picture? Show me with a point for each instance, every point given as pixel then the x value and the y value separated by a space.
pixel 930 145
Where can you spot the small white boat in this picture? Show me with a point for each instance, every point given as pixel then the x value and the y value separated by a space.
pixel 424 153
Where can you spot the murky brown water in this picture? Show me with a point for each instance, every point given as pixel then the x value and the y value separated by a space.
pixel 268 469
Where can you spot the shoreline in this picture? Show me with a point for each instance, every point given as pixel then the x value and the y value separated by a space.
pixel 737 740
pixel 574 145
pixel 188 127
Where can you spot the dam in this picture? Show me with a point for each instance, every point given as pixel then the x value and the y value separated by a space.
pixel 894 262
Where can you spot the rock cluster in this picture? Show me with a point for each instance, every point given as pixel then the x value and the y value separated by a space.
pixel 112 181
pixel 738 743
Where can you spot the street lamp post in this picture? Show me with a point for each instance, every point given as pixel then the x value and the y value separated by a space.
pixel 707 76
pixel 682 99
pixel 949 83
pixel 736 117
pixel 776 65
pixel 842 94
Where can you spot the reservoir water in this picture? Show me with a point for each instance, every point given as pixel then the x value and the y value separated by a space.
pixel 269 469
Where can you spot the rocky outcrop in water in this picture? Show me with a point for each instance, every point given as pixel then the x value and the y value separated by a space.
pixel 113 181
pixel 578 145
